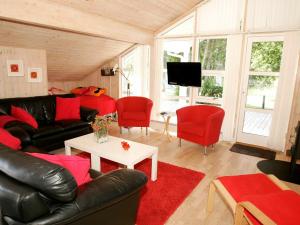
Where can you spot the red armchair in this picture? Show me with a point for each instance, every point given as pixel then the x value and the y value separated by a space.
pixel 134 111
pixel 200 124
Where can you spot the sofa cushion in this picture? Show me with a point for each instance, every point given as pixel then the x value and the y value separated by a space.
pixel 134 116
pixel 79 167
pixel 47 130
pixel 71 124
pixel 192 128
pixel 67 109
pixel 7 139
pixel 24 116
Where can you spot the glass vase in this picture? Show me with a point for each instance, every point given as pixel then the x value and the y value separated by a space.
pixel 101 136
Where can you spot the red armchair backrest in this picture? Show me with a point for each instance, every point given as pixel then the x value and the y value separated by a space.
pixel 198 113
pixel 134 104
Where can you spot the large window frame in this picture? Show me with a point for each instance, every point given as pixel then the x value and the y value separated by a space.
pixel 164 71
pixel 197 98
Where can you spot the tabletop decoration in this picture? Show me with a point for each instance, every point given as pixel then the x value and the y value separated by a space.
pixel 125 145
pixel 100 128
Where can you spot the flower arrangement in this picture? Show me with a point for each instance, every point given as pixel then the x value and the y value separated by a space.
pixel 100 128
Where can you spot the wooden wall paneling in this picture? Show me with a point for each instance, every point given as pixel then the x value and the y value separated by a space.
pixel 273 15
pixel 150 15
pixel 19 86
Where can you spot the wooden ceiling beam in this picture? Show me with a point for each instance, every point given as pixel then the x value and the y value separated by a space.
pixel 52 15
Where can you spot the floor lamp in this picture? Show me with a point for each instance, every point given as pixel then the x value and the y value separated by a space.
pixel 118 69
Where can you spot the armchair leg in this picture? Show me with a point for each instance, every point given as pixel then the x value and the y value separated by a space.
pixel 205 150
pixel 146 130
pixel 120 130
pixel 179 142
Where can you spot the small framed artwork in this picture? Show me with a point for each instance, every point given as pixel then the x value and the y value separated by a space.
pixel 15 68
pixel 35 75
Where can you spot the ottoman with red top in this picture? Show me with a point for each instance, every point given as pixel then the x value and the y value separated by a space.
pixel 235 189
pixel 280 208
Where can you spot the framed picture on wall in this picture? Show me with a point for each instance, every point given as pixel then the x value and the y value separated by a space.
pixel 15 68
pixel 35 75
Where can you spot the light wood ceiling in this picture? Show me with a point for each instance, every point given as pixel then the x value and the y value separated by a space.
pixel 70 56
pixel 147 14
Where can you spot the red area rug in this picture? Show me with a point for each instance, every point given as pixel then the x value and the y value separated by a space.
pixel 161 198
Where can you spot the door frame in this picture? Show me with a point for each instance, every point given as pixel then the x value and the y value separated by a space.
pixel 253 139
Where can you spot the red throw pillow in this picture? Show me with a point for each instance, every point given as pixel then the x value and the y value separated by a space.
pixel 9 140
pixel 67 108
pixel 95 91
pixel 79 90
pixel 79 167
pixel 24 116
pixel 4 119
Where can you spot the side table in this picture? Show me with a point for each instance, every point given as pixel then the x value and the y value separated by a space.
pixel 167 116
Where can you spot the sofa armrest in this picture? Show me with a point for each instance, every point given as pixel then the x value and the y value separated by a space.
pixel 20 133
pixel 88 114
pixel 110 188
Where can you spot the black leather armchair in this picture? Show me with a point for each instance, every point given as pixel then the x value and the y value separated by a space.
pixel 51 134
pixel 36 192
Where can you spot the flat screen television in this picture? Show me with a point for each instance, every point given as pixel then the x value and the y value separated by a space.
pixel 184 73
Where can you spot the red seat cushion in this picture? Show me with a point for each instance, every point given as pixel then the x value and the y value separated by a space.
pixel 79 167
pixel 192 128
pixel 240 187
pixel 24 116
pixel 67 109
pixel 4 119
pixel 9 140
pixel 134 116
pixel 282 207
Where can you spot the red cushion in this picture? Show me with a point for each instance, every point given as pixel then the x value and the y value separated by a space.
pixel 134 116
pixel 192 128
pixel 9 140
pixel 24 116
pixel 4 119
pixel 67 109
pixel 79 90
pixel 282 207
pixel 240 187
pixel 79 167
pixel 95 91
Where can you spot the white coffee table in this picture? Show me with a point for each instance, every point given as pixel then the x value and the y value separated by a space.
pixel 112 150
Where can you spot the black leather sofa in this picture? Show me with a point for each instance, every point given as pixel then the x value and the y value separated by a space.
pixel 36 192
pixel 51 134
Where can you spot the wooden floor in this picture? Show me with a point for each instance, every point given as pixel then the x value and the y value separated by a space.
pixel 219 161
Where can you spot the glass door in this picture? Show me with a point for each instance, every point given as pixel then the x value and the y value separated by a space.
pixel 259 90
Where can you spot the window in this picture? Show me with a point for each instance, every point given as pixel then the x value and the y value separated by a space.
pixel 173 96
pixel 212 55
pixel 135 66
